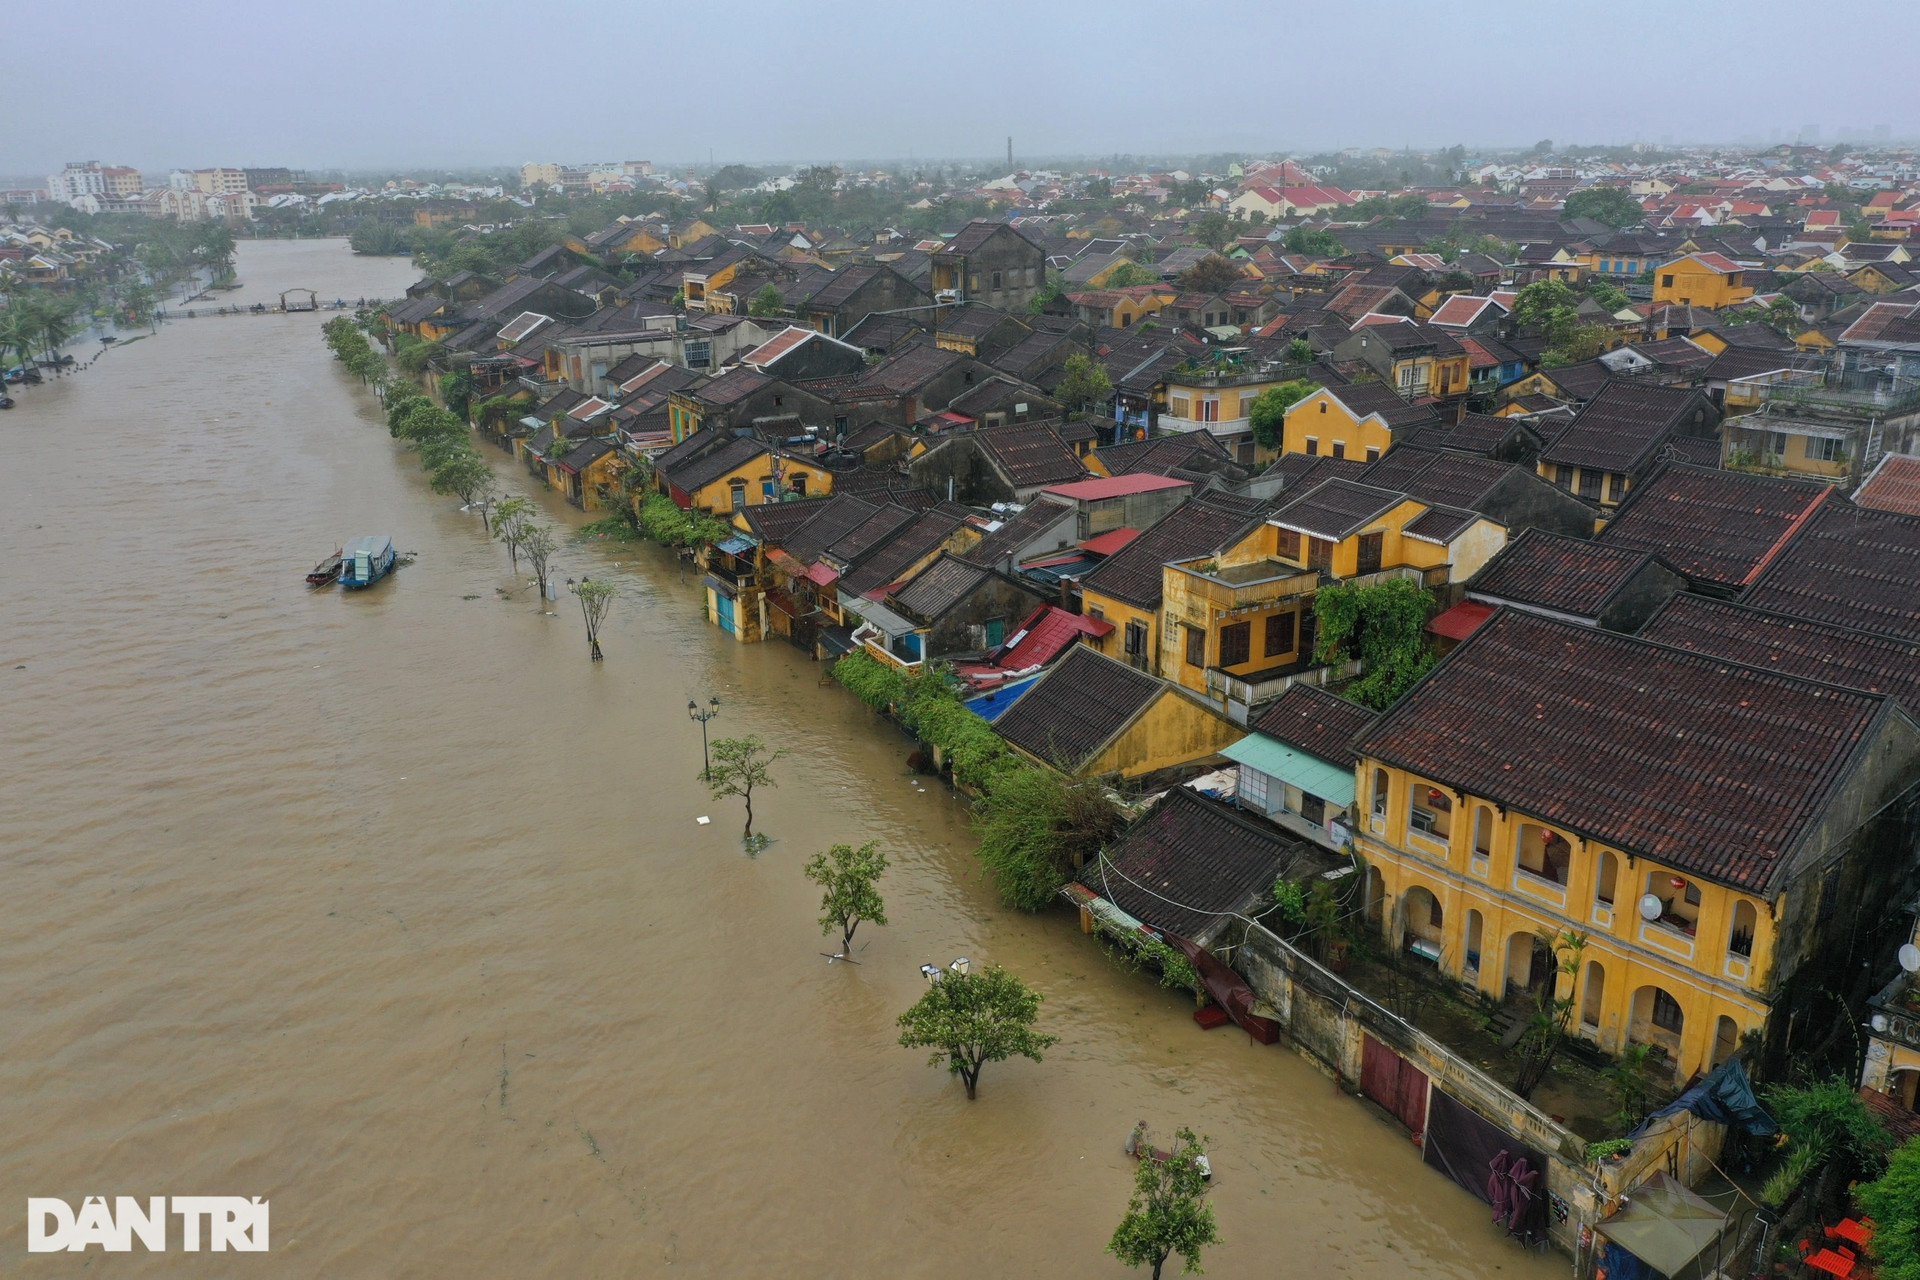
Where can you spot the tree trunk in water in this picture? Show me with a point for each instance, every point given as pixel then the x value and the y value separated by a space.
pixel 749 800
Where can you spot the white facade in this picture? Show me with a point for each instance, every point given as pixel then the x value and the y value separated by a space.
pixel 79 178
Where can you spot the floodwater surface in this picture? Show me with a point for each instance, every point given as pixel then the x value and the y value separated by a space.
pixel 394 909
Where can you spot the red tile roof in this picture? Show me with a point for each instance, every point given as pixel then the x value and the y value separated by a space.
pixel 1105 544
pixel 1461 621
pixel 1716 769
pixel 1848 565
pixel 1114 486
pixel 1893 486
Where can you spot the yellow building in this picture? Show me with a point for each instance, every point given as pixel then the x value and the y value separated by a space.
pixel 1091 715
pixel 1355 422
pixel 721 475
pixel 1551 779
pixel 1701 280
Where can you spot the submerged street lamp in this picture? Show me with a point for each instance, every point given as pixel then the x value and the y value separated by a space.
pixel 696 712
pixel 933 973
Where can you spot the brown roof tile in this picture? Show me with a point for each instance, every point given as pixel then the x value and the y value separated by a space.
pixel 1073 710
pixel 1704 765
pixel 1719 528
pixel 1851 566
pixel 1317 722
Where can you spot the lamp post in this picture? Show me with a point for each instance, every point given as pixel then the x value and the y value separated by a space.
pixel 934 974
pixel 696 712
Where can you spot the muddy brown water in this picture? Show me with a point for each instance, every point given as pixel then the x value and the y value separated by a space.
pixel 393 908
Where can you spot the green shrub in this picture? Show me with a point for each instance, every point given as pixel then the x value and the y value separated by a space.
pixel 869 679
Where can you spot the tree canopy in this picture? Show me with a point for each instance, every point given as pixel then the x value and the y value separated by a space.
pixel 1386 621
pixel 1614 206
pixel 971 1019
pixel 1212 274
pixel 1084 382
pixel 1893 1202
pixel 1315 242
pixel 1269 412
pixel 849 879
pixel 1168 1213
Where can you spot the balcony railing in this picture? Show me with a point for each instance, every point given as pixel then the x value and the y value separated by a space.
pixel 1243 586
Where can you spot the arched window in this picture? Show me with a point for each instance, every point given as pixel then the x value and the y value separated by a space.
pixel 1679 900
pixel 1726 1038
pixel 1430 811
pixel 1609 873
pixel 1740 936
pixel 1482 830
pixel 1475 928
pixel 1544 852
pixel 1379 793
pixel 1596 994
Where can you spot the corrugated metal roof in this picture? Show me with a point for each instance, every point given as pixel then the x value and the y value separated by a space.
pixel 1309 773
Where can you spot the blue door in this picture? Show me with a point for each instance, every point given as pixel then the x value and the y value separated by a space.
pixel 723 611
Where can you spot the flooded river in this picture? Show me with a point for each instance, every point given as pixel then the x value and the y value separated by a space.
pixel 393 908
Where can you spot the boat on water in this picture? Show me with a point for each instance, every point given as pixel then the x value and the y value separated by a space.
pixel 365 561
pixel 328 570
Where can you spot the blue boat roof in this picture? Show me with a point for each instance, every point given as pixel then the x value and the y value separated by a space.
pixel 371 545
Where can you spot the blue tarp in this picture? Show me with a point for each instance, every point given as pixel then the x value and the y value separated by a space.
pixel 988 706
pixel 1724 1097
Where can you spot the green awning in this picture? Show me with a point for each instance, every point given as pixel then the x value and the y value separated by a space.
pixel 1309 773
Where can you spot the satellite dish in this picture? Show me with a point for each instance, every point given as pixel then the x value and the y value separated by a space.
pixel 1651 907
pixel 1879 1023
pixel 1910 958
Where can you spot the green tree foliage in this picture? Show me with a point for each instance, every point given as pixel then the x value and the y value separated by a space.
pixel 1780 315
pixel 512 518
pixel 767 302
pixel 1269 412
pixel 1212 229
pixel 1035 826
pixel 1581 342
pixel 456 389
pixel 596 596
pixel 1168 1213
pixel 1827 1117
pixel 1300 351
pixel 1212 274
pixel 849 880
pixel 1537 303
pixel 1387 620
pixel 1546 1030
pixel 740 766
pixel 538 544
pixel 1083 383
pixel 1606 294
pixel 1389 209
pixel 465 475
pixel 1315 242
pixel 662 520
pixel 1611 205
pixel 971 1019
pixel 1128 274
pixel 1893 1202
pixel 382 238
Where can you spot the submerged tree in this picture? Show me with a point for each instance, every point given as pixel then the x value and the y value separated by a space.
pixel 1546 1030
pixel 971 1019
pixel 511 520
pixel 1168 1213
pixel 539 544
pixel 848 878
pixel 740 765
pixel 596 597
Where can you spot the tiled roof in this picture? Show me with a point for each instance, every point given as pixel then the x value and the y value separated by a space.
pixel 911 543
pixel 1457 479
pixel 1019 529
pixel 910 368
pixel 709 467
pixel 1463 309
pixel 939 587
pixel 842 514
pixel 1189 862
pixel 1716 527
pixel 1851 566
pixel 1621 425
pixel 1303 471
pixel 1157 456
pixel 1201 525
pixel 1031 453
pixel 1893 486
pixel 1364 398
pixel 776 521
pixel 1333 509
pixel 1799 647
pixel 1317 722
pixel 1566 575
pixel 1441 524
pixel 1112 486
pixel 1716 769
pixel 1073 710
pixel 870 534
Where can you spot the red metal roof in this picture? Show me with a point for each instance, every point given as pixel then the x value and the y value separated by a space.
pixel 822 574
pixel 1462 620
pixel 1105 544
pixel 1114 486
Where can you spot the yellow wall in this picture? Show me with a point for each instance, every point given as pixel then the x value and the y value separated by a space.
pixel 1174 730
pixel 1700 972
pixel 1698 285
pixel 717 494
pixel 1120 613
pixel 1324 419
pixel 1191 600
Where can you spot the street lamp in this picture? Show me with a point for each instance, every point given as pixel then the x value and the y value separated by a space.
pixel 695 712
pixel 933 973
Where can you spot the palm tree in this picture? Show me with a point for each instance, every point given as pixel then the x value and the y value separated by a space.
pixel 17 334
pixel 53 325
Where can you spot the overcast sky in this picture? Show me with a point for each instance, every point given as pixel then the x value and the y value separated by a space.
pixel 395 83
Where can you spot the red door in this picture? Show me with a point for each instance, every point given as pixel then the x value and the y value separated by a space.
pixel 1394 1083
